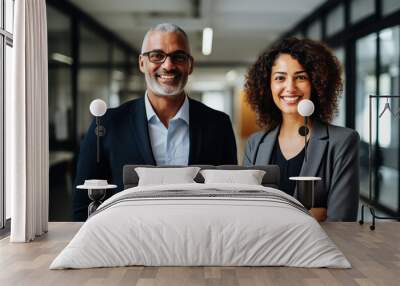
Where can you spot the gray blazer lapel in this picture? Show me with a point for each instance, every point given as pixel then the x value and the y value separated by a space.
pixel 315 149
pixel 266 147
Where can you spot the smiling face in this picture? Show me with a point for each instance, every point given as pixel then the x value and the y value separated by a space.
pixel 290 83
pixel 168 78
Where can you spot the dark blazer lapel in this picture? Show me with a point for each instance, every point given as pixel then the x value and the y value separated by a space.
pixel 138 120
pixel 195 134
pixel 266 147
pixel 315 149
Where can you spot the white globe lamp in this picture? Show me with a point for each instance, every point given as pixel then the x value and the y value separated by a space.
pixel 98 108
pixel 305 107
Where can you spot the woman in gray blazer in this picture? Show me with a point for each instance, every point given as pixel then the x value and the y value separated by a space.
pixel 293 70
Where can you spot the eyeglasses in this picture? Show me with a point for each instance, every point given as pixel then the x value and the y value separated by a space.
pixel 159 57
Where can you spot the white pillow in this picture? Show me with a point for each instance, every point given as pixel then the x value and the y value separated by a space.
pixel 165 176
pixel 248 177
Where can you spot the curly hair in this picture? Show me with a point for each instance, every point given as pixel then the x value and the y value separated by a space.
pixel 322 67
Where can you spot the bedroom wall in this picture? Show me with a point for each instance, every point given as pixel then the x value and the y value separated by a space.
pixel 98 64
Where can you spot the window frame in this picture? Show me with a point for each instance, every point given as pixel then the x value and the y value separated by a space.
pixel 6 39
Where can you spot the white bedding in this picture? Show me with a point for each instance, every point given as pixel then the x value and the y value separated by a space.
pixel 186 230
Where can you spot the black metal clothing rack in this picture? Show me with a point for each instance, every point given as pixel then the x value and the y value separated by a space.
pixel 370 166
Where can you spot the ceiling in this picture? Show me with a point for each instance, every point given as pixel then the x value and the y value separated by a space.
pixel 242 29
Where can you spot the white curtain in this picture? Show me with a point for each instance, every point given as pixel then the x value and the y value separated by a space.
pixel 27 124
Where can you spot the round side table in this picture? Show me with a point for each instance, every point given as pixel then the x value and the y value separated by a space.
pixel 305 190
pixel 96 195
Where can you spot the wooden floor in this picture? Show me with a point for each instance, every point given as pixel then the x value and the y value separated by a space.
pixel 374 255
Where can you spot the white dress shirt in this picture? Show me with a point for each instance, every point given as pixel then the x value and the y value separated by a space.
pixel 170 145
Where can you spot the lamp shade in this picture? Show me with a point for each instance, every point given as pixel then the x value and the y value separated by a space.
pixel 98 107
pixel 305 107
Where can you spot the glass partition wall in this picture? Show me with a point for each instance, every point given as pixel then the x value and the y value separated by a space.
pixel 365 85
pixel 61 112
pixel 388 139
pixel 365 37
pixel 86 61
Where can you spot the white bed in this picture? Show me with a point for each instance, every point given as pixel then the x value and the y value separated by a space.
pixel 203 225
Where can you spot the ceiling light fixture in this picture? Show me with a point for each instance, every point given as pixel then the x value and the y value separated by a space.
pixel 207 41
pixel 62 58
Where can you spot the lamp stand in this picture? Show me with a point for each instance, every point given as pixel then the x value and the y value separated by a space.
pixel 100 131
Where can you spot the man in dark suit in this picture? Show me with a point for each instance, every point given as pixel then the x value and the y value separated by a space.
pixel 165 127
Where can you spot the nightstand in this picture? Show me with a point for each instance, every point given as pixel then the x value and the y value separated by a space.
pixel 96 192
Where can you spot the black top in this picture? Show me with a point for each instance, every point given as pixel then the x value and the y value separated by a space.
pixel 289 168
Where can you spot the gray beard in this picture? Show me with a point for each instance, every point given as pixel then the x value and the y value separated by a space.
pixel 163 90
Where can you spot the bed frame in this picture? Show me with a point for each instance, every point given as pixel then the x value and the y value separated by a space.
pixel 270 179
